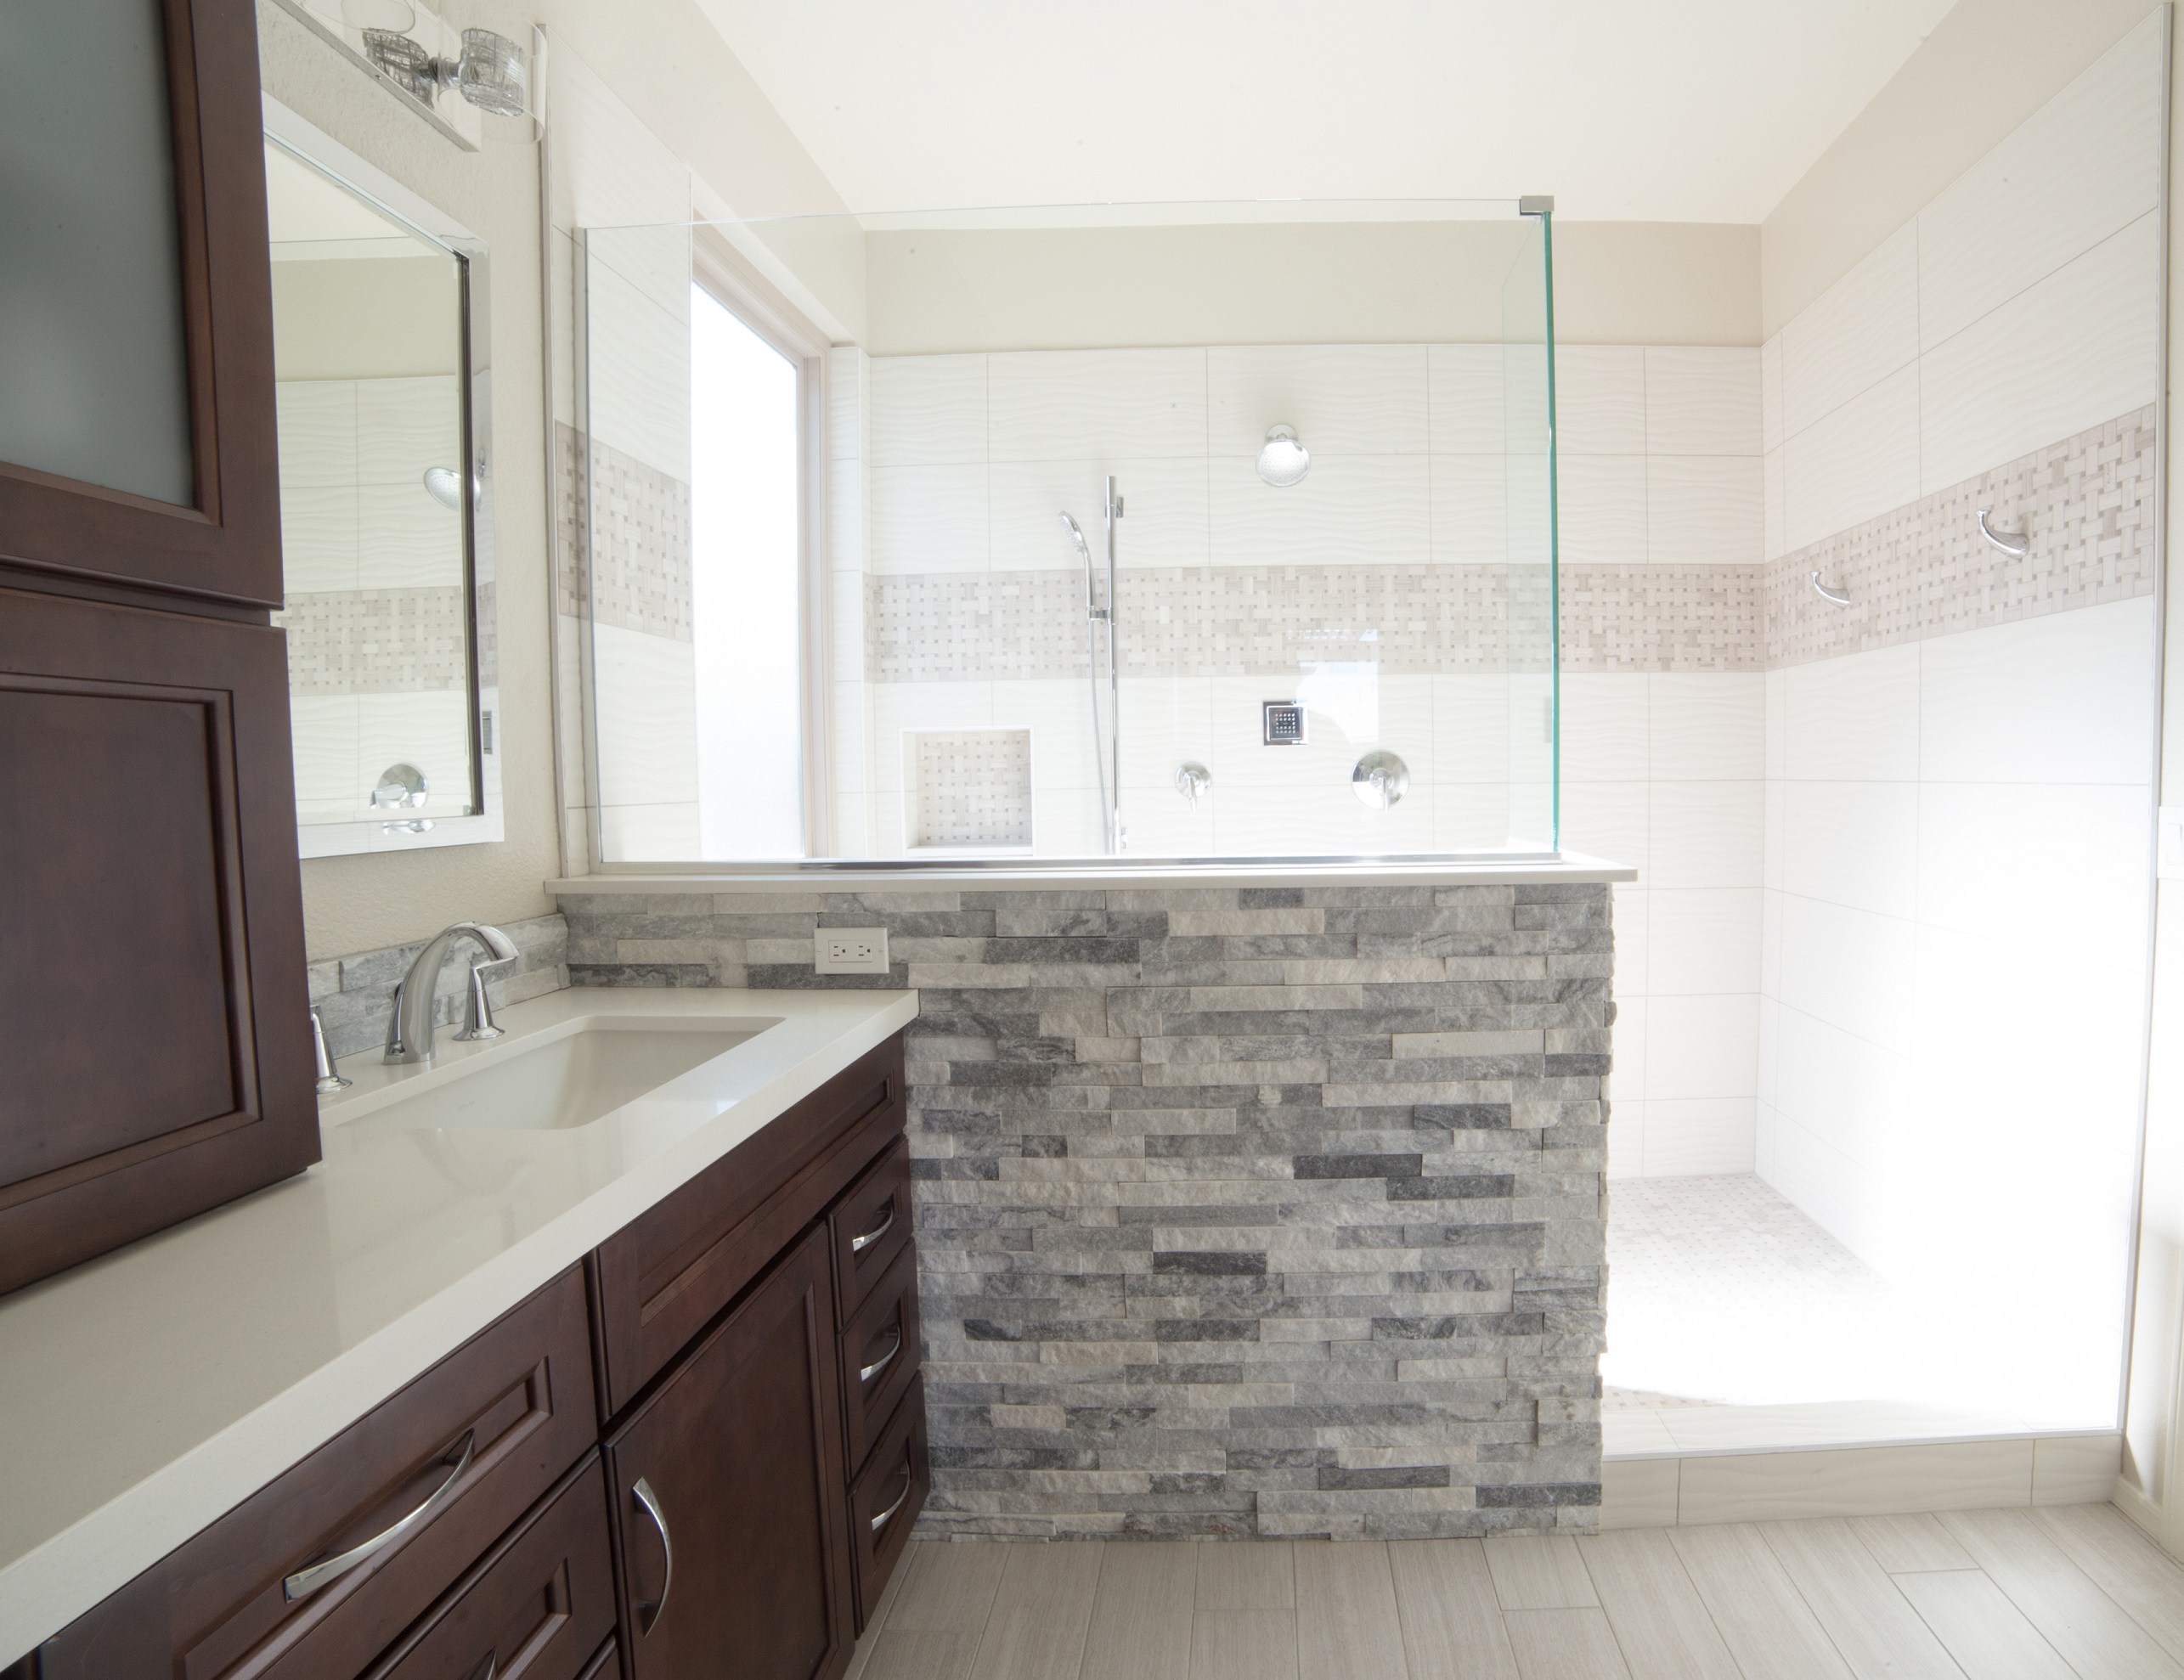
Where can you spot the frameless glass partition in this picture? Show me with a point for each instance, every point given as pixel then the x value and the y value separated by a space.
pixel 1166 532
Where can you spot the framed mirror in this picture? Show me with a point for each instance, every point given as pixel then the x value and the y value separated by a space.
pixel 383 362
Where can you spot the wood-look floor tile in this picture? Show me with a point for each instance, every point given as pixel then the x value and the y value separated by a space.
pixel 859 1658
pixel 1141 1618
pixel 1348 1627
pixel 1452 1620
pixel 1901 1545
pixel 1245 1575
pixel 1659 1619
pixel 1987 1634
pixel 2088 1628
pixel 1041 1612
pixel 947 1587
pixel 1855 1600
pixel 1565 1645
pixel 896 1655
pixel 2123 1562
pixel 1243 1645
pixel 1539 1572
pixel 1763 1619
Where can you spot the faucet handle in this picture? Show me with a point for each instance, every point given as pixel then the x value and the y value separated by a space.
pixel 329 1080
pixel 477 1008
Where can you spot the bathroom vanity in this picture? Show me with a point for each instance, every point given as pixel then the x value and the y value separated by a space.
pixel 548 1393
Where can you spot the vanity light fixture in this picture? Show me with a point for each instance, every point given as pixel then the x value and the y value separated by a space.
pixel 492 74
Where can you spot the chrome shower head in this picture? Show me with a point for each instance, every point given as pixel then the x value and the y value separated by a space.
pixel 1076 537
pixel 1283 461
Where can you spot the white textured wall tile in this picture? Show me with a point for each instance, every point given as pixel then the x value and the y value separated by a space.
pixel 1775 532
pixel 1601 509
pixel 849 388
pixel 2085 165
pixel 1702 941
pixel 406 540
pixel 1706 727
pixel 1844 1090
pixel 1600 399
pixel 1166 721
pixel 1163 513
pixel 927 410
pixel 1859 460
pixel 1705 833
pixel 429 730
pixel 1705 509
pixel 2070 351
pixel 404 425
pixel 637 374
pixel 1685 1137
pixel 1470 499
pixel 1354 510
pixel 647 721
pixel 609 170
pixel 1342 399
pixel 1605 723
pixel 1608 819
pixel 1700 1047
pixel 1857 333
pixel 1468 406
pixel 315 421
pixel 930 519
pixel 657 261
pixel 1771 431
pixel 1065 404
pixel 323 737
pixel 317 537
pixel 2067 698
pixel 1702 400
pixel 1057 713
pixel 900 707
pixel 1852 718
pixel 1849 967
pixel 1854 843
pixel 664 833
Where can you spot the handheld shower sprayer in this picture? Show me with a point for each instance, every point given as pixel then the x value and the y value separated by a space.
pixel 1107 745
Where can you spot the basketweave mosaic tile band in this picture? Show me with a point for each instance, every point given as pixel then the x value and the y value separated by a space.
pixel 636 562
pixel 1924 570
pixel 375 641
pixel 1273 1211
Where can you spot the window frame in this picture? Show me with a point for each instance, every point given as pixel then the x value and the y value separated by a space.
pixel 734 283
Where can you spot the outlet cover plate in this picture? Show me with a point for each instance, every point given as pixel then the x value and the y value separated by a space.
pixel 849 951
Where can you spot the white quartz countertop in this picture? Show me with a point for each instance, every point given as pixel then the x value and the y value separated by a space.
pixel 1083 874
pixel 144 1394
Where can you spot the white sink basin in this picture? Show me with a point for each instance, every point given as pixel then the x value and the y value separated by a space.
pixel 554 1080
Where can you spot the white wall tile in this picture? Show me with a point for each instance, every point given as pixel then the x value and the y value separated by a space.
pixel 1854 843
pixel 1705 509
pixel 1344 399
pixel 1692 1135
pixel 1853 719
pixel 1771 432
pixel 315 421
pixel 930 518
pixel 1626 1159
pixel 1469 408
pixel 1353 509
pixel 1700 1047
pixel 1774 510
pixel 927 410
pixel 1163 513
pixel 848 406
pixel 1847 1090
pixel 647 721
pixel 2085 165
pixel 1606 722
pixel 610 171
pixel 1850 967
pixel 2065 698
pixel 1633 918
pixel 1470 727
pixel 1854 463
pixel 1065 404
pixel 1702 941
pixel 1857 333
pixel 1471 498
pixel 2070 351
pixel 317 537
pixel 406 540
pixel 1600 507
pixel 1705 726
pixel 637 374
pixel 323 736
pixel 666 833
pixel 1702 401
pixel 1608 819
pixel 1705 833
pixel 1599 400
pixel 428 728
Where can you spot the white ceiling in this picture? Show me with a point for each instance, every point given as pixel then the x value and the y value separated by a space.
pixel 1691 110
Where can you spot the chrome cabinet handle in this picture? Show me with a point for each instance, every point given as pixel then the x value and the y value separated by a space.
pixel 910 1480
pixel 642 1492
pixel 309 1579
pixel 866 1372
pixel 859 1244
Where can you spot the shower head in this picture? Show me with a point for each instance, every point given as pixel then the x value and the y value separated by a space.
pixel 1076 538
pixel 1283 461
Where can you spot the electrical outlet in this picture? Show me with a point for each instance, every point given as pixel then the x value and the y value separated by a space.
pixel 851 950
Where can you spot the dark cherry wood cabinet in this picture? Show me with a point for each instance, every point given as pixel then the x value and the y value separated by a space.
pixel 732 1468
pixel 737 1510
pixel 152 973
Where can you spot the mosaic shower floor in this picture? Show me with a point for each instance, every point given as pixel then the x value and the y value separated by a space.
pixel 1736 1322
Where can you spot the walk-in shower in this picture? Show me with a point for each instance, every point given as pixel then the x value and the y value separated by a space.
pixel 1107 743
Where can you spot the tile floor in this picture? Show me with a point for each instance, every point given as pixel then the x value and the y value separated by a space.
pixel 1979 1595
pixel 1737 1322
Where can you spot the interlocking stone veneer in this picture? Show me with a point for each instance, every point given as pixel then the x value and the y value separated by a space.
pixel 1271 1211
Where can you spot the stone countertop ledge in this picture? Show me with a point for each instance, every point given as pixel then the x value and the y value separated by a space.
pixel 147 1392
pixel 996 875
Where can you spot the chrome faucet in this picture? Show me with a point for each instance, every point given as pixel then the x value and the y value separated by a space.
pixel 409 1032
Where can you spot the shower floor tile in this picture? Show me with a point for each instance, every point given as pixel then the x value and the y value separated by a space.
pixel 1736 1323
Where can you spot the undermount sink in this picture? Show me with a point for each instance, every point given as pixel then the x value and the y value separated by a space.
pixel 555 1081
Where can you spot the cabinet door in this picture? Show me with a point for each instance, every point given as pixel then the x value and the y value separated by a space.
pixel 729 1499
pixel 151 965
pixel 135 373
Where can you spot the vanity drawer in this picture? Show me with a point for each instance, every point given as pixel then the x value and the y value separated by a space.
pixel 536 1608
pixel 517 1397
pixel 885 1500
pixel 665 1275
pixel 871 1226
pixel 882 1339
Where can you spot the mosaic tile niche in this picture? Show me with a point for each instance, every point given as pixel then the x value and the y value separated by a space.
pixel 1271 1211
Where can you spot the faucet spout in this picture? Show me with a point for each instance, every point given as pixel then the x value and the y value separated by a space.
pixel 409 1032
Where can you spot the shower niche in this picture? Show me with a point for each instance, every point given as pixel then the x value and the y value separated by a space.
pixel 968 791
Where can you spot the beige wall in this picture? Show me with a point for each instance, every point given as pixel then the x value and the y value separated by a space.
pixel 370 318
pixel 1986 67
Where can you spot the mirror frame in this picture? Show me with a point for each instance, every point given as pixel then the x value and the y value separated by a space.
pixel 318 150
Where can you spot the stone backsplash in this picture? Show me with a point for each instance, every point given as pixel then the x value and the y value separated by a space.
pixel 1271 1211
pixel 354 995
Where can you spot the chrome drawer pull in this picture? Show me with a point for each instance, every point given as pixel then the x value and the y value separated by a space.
pixel 307 1580
pixel 859 1244
pixel 866 1372
pixel 645 1495
pixel 910 1480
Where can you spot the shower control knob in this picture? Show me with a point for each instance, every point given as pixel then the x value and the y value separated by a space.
pixel 1380 779
pixel 1194 780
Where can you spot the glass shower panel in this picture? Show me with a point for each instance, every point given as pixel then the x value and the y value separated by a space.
pixel 1178 531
